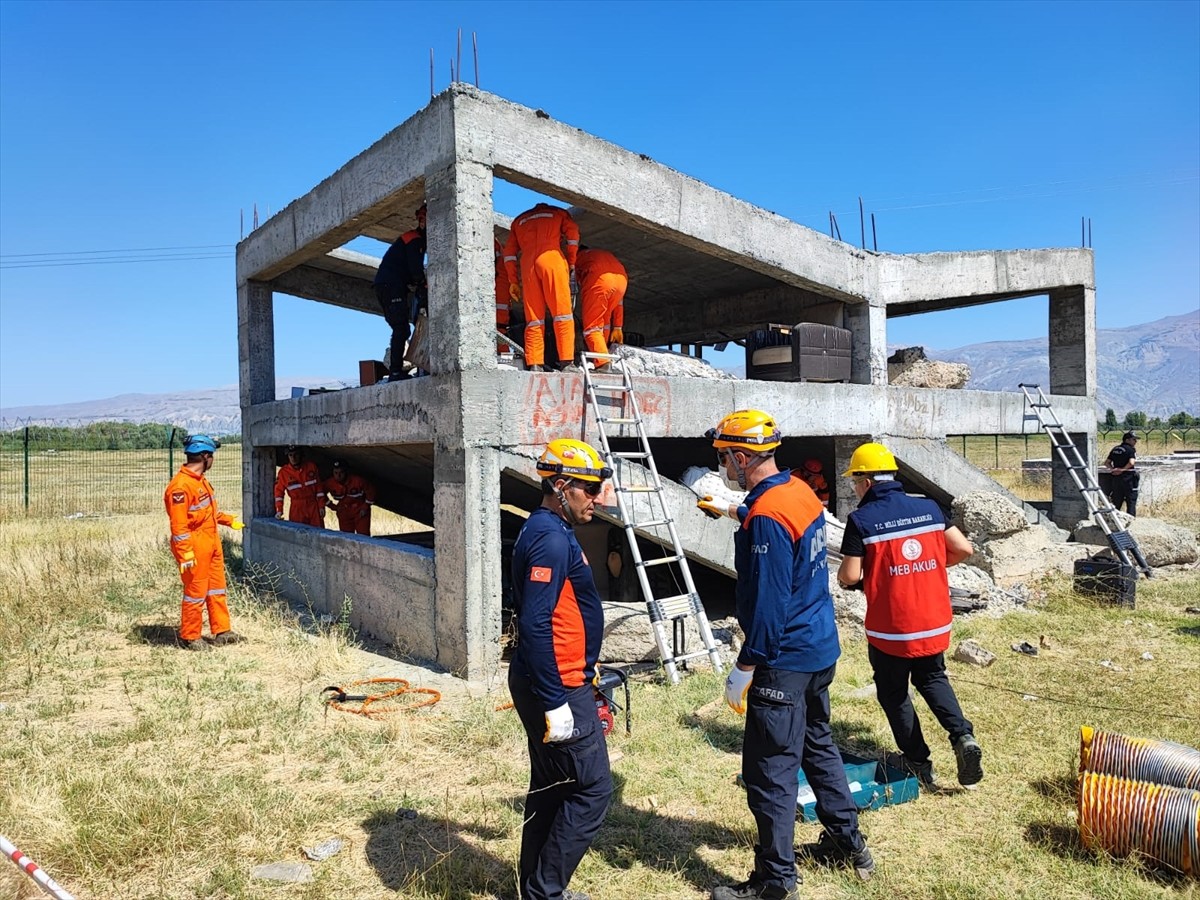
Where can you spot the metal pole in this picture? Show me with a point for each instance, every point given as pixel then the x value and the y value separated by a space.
pixel 475 47
pixel 862 225
pixel 33 870
pixel 996 447
pixel 26 468
pixel 430 73
pixel 874 237
pixel 171 453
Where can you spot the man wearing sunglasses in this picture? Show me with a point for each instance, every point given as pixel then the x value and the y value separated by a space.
pixel 559 626
pixel 780 680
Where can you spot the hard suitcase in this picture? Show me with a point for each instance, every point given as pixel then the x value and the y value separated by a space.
pixel 1106 579
pixel 807 351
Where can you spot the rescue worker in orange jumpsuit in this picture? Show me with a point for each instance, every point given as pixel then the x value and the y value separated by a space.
pixel 352 497
pixel 602 286
pixel 546 281
pixel 196 546
pixel 301 482
pixel 503 297
pixel 814 476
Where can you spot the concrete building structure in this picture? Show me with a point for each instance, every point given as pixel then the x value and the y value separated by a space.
pixel 705 267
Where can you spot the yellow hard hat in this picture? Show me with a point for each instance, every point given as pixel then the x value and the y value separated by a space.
pixel 869 458
pixel 746 429
pixel 574 459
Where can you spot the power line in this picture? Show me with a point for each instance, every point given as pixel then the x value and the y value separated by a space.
pixel 47 264
pixel 69 253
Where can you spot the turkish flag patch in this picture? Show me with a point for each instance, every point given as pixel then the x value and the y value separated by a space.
pixel 540 574
pixel 177 497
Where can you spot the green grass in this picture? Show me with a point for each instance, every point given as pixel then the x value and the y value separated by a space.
pixel 131 769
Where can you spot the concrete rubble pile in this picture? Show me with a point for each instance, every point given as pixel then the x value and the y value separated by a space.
pixel 642 361
pixel 1160 543
pixel 910 368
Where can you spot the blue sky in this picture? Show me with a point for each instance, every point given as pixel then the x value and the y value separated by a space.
pixel 963 126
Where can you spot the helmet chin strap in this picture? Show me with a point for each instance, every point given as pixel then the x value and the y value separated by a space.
pixel 742 470
pixel 567 513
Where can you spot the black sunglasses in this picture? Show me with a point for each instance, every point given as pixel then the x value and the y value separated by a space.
pixel 591 488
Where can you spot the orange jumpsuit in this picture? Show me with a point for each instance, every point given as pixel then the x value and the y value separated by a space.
pixel 303 486
pixel 602 283
pixel 192 509
pixel 819 485
pixel 503 299
pixel 354 498
pixel 538 236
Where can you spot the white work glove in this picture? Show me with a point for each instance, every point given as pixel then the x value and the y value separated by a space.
pixel 560 724
pixel 188 562
pixel 737 685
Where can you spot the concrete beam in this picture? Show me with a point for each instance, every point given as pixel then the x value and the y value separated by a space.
pixel 311 283
pixel 559 160
pixel 909 283
pixel 929 413
pixel 401 413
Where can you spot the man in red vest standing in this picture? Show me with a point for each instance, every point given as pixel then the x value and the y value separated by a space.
pixel 897 548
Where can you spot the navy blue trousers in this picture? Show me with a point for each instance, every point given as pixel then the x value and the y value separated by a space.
pixel 787 729
pixel 569 789
pixel 928 674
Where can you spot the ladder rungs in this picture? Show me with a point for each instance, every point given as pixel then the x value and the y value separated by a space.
pixel 694 655
pixel 615 421
pixel 675 607
pixel 652 523
pixel 660 561
pixel 638 488
pixel 630 454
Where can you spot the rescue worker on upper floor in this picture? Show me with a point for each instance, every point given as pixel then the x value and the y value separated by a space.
pixel 300 482
pixel 196 545
pixel 400 289
pixel 504 299
pixel 351 496
pixel 546 281
pixel 602 285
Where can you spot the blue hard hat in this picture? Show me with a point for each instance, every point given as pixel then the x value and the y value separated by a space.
pixel 200 443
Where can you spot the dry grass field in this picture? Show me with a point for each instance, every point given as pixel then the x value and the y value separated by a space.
pixel 131 769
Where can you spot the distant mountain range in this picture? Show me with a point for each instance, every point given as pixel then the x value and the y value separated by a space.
pixel 1154 368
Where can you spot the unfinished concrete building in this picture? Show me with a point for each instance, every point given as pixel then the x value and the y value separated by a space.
pixel 448 450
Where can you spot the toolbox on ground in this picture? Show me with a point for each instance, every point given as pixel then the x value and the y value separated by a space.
pixel 1106 579
pixel 807 351
pixel 872 784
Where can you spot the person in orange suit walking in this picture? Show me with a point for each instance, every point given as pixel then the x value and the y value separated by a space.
pixel 602 286
pixel 546 280
pixel 352 497
pixel 196 546
pixel 301 482
pixel 504 298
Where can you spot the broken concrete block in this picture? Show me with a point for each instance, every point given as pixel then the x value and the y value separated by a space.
pixel 974 654
pixel 294 872
pixel 1162 544
pixel 984 515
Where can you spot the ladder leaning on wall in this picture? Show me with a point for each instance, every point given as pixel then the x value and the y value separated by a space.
pixel 609 393
pixel 1103 513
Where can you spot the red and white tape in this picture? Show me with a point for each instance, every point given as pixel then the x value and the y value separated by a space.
pixel 30 868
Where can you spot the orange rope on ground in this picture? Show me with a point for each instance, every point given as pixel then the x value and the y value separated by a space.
pixel 504 706
pixel 342 698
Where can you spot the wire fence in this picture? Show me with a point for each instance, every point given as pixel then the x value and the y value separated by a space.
pixel 1001 452
pixel 84 468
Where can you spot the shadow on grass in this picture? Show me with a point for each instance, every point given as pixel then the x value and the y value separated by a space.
pixel 1062 788
pixel 155 635
pixel 719 734
pixel 1192 631
pixel 414 852
pixel 857 737
pixel 1065 841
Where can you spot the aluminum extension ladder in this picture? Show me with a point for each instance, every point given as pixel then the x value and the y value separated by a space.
pixel 1102 511
pixel 618 411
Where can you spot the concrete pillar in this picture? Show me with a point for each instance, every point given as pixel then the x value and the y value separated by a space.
pixel 1072 343
pixel 1067 505
pixel 844 500
pixel 256 355
pixel 466 518
pixel 461 267
pixel 466 477
pixel 868 353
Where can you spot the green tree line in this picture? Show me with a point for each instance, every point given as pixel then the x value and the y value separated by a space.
pixel 101 436
pixel 1135 419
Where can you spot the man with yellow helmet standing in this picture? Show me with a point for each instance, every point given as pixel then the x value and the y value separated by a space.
pixel 780 681
pixel 559 626
pixel 898 548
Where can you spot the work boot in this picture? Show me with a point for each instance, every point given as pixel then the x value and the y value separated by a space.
pixel 535 368
pixel 569 894
pixel 227 637
pixel 197 644
pixel 830 851
pixel 398 376
pixel 570 369
pixel 753 889
pixel 969 756
pixel 923 772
